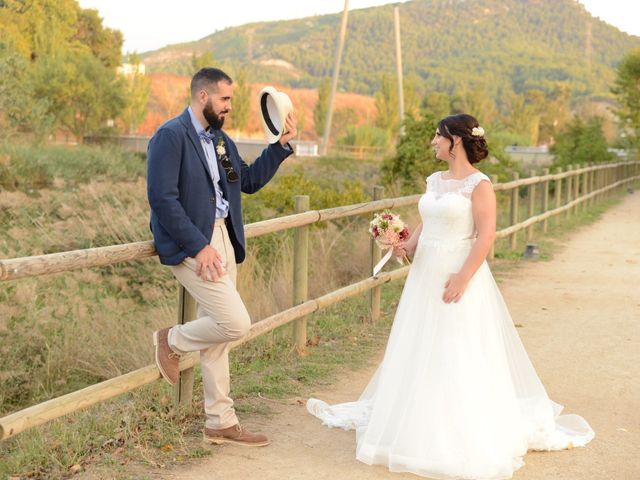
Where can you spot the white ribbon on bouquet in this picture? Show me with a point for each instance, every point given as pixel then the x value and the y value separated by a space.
pixel 384 260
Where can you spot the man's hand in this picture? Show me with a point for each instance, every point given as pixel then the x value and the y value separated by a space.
pixel 209 264
pixel 290 128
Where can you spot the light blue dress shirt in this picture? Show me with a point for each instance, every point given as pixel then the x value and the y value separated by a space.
pixel 222 206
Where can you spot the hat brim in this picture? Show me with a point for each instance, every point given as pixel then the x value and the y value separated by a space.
pixel 274 107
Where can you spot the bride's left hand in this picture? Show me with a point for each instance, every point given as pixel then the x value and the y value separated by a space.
pixel 454 288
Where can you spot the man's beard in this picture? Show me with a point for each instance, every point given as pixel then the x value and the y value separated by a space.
pixel 214 121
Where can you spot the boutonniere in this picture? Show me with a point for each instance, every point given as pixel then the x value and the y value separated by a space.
pixel 220 150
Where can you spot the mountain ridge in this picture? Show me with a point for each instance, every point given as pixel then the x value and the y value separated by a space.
pixel 448 45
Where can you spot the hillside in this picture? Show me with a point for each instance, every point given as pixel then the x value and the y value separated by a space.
pixel 497 46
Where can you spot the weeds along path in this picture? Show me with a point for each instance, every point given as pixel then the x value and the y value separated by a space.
pixel 579 317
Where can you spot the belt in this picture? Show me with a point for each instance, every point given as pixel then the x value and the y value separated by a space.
pixel 219 222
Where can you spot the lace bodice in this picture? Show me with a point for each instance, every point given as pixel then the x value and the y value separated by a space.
pixel 446 207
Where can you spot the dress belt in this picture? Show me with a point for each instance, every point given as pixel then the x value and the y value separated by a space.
pixel 219 222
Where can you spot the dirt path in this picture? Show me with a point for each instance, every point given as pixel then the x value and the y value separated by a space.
pixel 580 318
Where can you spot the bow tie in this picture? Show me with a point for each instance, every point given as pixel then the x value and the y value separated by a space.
pixel 208 137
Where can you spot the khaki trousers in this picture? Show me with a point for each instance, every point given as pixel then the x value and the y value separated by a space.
pixel 222 318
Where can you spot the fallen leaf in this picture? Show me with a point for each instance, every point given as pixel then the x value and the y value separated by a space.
pixel 75 469
pixel 167 447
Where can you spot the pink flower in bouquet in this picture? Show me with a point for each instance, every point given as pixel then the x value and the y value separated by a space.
pixel 387 229
pixel 391 237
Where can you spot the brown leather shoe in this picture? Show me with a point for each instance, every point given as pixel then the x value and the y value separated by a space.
pixel 167 360
pixel 235 434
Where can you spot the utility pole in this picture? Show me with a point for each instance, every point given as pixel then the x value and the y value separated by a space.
pixel 396 22
pixel 334 82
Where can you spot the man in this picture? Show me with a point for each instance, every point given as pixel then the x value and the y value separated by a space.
pixel 194 180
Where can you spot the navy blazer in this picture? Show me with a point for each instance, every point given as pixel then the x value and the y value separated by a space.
pixel 181 192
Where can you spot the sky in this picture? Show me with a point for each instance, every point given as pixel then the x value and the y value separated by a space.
pixel 152 24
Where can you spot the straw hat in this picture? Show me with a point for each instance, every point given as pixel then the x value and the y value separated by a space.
pixel 274 108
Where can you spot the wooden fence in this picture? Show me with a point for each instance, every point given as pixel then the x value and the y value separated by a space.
pixel 573 189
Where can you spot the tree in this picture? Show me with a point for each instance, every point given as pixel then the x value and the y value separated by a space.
pixel 627 91
pixel 437 104
pixel 20 109
pixel 138 89
pixel 411 94
pixel 342 119
pixel 302 115
pixel 201 61
pixel 387 105
pixel 522 117
pixel 241 100
pixel 582 142
pixel 322 107
pixel 105 43
pixel 83 93
pixel 556 113
pixel 364 136
pixel 414 158
pixel 68 76
pixel 476 102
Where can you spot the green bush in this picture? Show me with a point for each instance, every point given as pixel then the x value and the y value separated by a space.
pixel 582 142
pixel 365 136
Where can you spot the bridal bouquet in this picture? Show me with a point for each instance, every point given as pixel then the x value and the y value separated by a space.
pixel 387 229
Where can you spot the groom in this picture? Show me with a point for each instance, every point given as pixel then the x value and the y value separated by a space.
pixel 194 180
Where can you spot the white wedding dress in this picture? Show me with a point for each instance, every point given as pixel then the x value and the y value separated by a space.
pixel 456 396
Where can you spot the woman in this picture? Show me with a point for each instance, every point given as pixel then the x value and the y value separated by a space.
pixel 456 395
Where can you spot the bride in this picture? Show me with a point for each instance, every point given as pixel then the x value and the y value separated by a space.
pixel 456 395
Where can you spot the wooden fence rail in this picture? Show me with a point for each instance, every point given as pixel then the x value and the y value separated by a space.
pixel 597 182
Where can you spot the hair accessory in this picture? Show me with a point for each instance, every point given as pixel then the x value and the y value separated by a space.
pixel 477 132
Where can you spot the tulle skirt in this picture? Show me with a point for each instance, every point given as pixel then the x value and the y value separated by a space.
pixel 456 395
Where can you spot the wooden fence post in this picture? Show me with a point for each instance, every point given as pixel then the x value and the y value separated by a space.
pixel 621 173
pixel 492 252
pixel 187 310
pixel 300 275
pixel 375 293
pixel 569 189
pixel 580 188
pixel 590 185
pixel 576 189
pixel 514 210
pixel 594 184
pixel 531 200
pixel 585 188
pixel 558 196
pixel 545 200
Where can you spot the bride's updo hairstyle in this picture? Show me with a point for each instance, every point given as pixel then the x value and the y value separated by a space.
pixel 468 129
